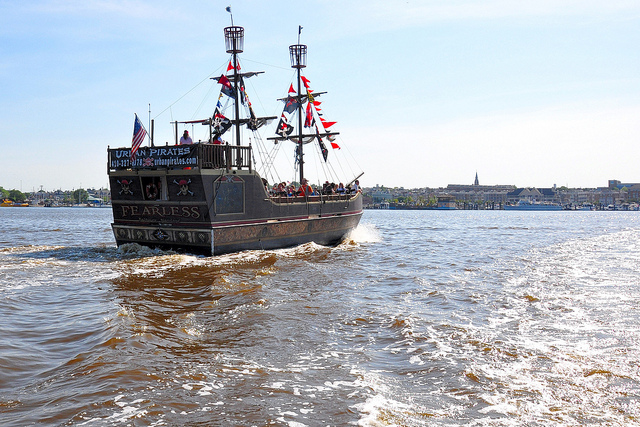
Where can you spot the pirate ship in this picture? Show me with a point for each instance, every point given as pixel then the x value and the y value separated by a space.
pixel 208 197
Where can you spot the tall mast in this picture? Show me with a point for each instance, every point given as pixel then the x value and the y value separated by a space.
pixel 234 40
pixel 298 53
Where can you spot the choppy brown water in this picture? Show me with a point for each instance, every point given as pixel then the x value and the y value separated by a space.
pixel 419 318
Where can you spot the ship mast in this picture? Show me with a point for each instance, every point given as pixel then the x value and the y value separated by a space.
pixel 298 54
pixel 234 40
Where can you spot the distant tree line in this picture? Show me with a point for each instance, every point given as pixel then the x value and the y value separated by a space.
pixel 15 195
pixel 419 201
pixel 77 196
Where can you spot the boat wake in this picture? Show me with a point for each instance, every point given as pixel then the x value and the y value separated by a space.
pixel 364 233
pixel 136 250
pixel 58 252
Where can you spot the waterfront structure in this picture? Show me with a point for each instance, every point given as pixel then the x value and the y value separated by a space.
pixel 446 202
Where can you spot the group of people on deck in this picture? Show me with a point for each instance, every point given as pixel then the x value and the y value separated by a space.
pixel 284 190
pixel 185 139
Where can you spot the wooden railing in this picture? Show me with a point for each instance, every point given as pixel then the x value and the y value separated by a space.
pixel 212 156
pixel 316 198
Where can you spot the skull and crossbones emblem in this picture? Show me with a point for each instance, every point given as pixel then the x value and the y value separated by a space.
pixel 184 187
pixel 125 187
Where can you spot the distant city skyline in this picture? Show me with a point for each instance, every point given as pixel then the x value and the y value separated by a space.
pixel 424 93
pixel 476 182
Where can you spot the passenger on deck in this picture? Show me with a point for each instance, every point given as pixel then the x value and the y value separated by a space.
pixel 186 139
pixel 305 189
pixel 281 190
pixel 356 187
pixel 329 189
pixel 326 188
pixel 340 189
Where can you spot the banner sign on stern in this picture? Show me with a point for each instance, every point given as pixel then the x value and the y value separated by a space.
pixel 154 157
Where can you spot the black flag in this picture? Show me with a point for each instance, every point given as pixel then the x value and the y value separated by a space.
pixel 323 149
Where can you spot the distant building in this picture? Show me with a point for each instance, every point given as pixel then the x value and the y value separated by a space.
pixel 534 195
pixel 446 202
pixel 477 193
pixel 634 192
pixel 381 194
pixel 617 185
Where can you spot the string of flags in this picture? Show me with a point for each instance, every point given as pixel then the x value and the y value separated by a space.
pixel 284 127
pixel 231 67
pixel 221 123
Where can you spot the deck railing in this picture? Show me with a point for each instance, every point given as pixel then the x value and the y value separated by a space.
pixel 314 198
pixel 214 156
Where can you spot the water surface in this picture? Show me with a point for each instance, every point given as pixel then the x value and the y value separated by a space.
pixel 486 318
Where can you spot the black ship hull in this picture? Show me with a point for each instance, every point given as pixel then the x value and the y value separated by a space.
pixel 214 209
pixel 223 239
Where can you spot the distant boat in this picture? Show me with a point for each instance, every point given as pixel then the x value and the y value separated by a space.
pixel 526 205
pixel 207 197
pixel 8 203
pixel 586 207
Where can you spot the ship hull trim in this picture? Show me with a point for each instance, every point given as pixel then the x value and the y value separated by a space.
pixel 217 240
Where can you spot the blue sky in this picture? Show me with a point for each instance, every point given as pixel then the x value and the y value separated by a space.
pixel 425 93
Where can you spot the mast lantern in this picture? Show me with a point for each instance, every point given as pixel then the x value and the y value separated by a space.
pixel 234 39
pixel 298 54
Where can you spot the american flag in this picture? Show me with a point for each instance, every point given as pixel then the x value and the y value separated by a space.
pixel 139 133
